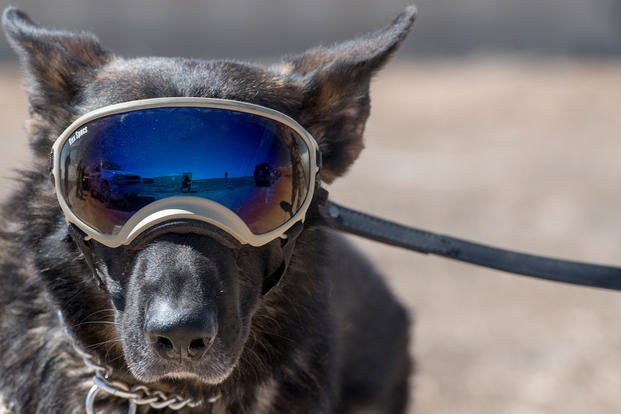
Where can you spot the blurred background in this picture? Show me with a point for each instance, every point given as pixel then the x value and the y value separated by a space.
pixel 498 121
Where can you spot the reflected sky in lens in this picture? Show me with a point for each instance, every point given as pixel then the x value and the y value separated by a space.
pixel 186 139
pixel 116 165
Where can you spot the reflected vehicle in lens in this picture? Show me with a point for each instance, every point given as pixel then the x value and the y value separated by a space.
pixel 265 175
pixel 107 182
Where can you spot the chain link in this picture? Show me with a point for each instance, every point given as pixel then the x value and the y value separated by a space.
pixel 135 395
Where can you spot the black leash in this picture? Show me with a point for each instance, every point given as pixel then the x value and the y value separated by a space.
pixel 384 231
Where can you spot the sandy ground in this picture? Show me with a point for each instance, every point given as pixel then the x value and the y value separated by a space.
pixel 518 153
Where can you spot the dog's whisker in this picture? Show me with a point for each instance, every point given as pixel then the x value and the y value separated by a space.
pixel 109 341
pixel 94 323
pixel 90 315
pixel 117 358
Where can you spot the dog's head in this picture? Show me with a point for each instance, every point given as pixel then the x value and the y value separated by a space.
pixel 183 302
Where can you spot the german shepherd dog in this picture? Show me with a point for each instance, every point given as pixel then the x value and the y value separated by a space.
pixel 329 338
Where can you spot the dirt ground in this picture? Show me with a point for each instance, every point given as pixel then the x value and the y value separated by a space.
pixel 514 152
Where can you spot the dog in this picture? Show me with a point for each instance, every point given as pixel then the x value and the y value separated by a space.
pixel 329 337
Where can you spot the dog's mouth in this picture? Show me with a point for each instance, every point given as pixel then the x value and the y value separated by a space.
pixel 213 375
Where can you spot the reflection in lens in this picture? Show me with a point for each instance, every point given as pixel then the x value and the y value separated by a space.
pixel 116 165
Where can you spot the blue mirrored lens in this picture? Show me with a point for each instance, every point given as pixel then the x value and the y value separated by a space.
pixel 113 166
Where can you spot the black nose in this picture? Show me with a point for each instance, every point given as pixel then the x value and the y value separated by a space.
pixel 178 334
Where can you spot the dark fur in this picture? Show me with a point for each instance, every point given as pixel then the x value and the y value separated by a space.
pixel 329 338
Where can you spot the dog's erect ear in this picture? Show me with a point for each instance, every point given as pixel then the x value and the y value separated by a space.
pixel 335 82
pixel 58 62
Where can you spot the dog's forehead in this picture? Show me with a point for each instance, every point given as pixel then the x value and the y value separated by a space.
pixel 126 80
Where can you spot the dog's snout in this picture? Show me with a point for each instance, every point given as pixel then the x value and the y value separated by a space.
pixel 180 335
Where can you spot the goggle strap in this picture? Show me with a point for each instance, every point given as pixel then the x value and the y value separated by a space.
pixel 287 246
pixel 79 238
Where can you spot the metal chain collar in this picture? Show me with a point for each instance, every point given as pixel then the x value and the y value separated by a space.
pixel 135 395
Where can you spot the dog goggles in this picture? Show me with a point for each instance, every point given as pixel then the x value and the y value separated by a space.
pixel 247 169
